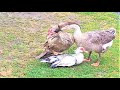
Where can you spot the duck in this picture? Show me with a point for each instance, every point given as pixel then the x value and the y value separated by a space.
pixel 98 40
pixel 57 41
pixel 66 60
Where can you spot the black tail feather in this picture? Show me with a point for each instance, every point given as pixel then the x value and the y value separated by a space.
pixel 112 30
pixel 53 66
pixel 48 54
pixel 44 55
pixel 47 60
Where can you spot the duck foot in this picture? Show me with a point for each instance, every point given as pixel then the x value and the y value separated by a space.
pixel 87 60
pixel 96 64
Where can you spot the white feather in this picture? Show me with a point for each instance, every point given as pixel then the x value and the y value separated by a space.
pixel 67 61
pixel 70 60
pixel 105 46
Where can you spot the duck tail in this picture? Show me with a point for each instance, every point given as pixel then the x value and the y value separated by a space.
pixel 53 66
pixel 43 55
pixel 113 31
pixel 46 60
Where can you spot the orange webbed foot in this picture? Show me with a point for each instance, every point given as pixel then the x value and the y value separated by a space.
pixel 87 60
pixel 96 64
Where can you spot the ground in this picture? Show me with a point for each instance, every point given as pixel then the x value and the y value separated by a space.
pixel 22 35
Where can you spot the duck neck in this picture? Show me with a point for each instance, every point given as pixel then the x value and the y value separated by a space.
pixel 77 32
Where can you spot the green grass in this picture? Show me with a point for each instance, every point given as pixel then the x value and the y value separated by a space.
pixel 23 39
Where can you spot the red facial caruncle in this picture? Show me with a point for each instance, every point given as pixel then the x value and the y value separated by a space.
pixel 82 49
pixel 50 33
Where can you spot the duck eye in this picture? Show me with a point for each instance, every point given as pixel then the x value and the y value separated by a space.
pixel 57 30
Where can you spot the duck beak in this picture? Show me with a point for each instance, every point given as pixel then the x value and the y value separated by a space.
pixel 86 51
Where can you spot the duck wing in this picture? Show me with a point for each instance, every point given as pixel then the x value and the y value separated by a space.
pixel 50 59
pixel 66 61
pixel 66 38
pixel 59 42
pixel 101 37
pixel 51 41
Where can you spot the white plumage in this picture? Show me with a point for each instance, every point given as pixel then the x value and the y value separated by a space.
pixel 65 59
pixel 105 46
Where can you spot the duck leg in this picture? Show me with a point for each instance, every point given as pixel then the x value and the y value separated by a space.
pixel 98 61
pixel 88 59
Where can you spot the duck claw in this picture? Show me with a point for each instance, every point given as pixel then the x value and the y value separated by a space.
pixel 96 64
pixel 87 60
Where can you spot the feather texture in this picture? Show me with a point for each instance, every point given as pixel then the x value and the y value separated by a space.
pixel 98 41
pixel 92 40
pixel 59 42
pixel 66 59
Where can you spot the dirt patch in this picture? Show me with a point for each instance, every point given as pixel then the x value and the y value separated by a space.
pixel 34 21
pixel 6 73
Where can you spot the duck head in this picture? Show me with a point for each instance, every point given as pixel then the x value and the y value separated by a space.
pixel 53 30
pixel 80 50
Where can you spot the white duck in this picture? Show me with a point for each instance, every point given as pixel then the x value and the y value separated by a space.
pixel 65 59
pixel 97 41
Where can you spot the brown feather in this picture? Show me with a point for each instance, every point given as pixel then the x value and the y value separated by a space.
pixel 59 41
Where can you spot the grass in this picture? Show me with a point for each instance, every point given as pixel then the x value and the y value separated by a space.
pixel 21 39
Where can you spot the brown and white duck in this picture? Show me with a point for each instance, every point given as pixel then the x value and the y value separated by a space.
pixel 57 41
pixel 97 41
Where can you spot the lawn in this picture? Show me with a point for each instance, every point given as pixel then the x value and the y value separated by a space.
pixel 22 36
